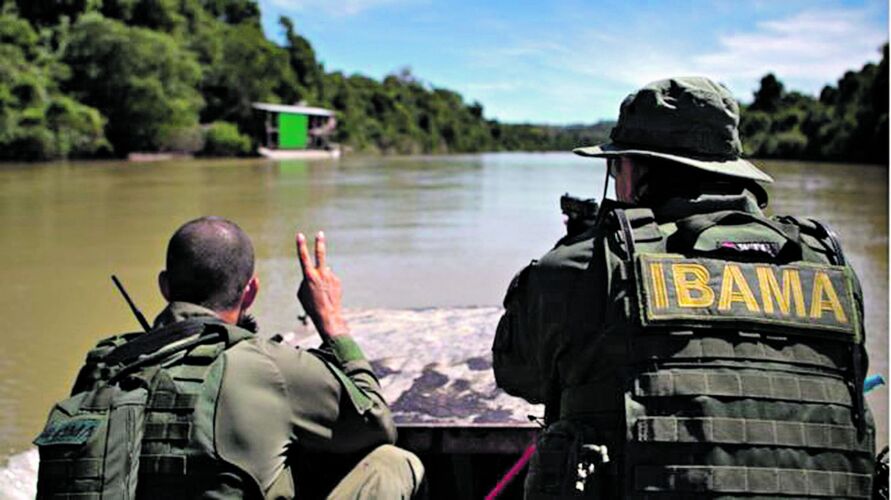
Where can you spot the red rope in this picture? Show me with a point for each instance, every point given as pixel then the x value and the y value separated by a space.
pixel 512 473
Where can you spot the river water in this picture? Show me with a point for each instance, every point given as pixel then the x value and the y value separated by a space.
pixel 422 233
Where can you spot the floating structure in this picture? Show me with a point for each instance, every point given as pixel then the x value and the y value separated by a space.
pixel 298 132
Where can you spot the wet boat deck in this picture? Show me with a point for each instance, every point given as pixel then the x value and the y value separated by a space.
pixel 440 385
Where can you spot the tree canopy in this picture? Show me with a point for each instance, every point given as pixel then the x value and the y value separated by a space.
pixel 847 122
pixel 90 78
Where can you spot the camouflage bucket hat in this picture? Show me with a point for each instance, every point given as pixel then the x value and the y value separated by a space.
pixel 689 120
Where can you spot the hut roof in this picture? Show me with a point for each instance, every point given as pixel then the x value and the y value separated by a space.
pixel 300 110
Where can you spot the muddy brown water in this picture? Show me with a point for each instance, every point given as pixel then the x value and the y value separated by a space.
pixel 420 233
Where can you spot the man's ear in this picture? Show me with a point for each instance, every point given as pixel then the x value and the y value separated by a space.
pixel 164 285
pixel 250 292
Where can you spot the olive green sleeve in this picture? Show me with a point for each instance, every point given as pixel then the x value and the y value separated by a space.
pixel 274 398
pixel 514 358
pixel 337 403
pixel 532 332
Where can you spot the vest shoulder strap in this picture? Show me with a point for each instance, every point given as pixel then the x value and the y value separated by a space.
pixel 639 231
pixel 158 339
pixel 819 242
pixel 106 345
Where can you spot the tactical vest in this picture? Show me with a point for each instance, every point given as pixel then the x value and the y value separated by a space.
pixel 741 345
pixel 142 425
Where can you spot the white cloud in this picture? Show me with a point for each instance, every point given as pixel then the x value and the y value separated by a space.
pixel 335 7
pixel 811 48
pixel 582 75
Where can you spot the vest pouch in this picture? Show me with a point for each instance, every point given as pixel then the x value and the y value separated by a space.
pixel 90 446
pixel 564 466
pixel 736 236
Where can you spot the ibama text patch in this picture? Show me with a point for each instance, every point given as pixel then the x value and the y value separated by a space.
pixel 699 291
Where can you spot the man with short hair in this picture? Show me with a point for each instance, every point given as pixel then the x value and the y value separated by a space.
pixel 685 344
pixel 226 410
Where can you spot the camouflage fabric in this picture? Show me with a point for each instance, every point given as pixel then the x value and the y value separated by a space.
pixel 712 351
pixel 688 120
pixel 225 416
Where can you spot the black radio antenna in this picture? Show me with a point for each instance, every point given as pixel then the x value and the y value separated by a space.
pixel 139 317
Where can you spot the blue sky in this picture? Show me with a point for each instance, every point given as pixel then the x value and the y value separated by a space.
pixel 570 61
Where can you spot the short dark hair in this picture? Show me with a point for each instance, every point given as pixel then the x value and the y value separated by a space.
pixel 209 262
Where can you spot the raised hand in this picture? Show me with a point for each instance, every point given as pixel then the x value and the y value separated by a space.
pixel 320 292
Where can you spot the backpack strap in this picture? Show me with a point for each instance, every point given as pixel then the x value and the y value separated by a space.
pixel 639 233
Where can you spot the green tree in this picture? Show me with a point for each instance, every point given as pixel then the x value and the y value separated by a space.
pixel 145 73
pixel 249 69
pixel 48 12
pixel 234 11
pixel 224 139
pixel 142 80
pixel 307 70
pixel 158 15
pixel 848 122
pixel 38 122
pixel 769 95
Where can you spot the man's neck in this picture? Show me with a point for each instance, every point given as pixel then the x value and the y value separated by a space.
pixel 231 316
pixel 179 311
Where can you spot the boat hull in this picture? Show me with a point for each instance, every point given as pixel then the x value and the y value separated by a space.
pixel 300 154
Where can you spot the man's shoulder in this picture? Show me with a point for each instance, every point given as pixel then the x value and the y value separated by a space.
pixel 263 360
pixel 267 348
pixel 570 253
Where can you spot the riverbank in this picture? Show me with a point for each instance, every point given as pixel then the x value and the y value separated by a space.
pixel 347 152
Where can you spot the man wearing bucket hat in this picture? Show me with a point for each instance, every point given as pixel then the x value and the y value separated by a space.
pixel 685 344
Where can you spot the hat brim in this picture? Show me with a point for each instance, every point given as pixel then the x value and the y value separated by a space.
pixel 735 168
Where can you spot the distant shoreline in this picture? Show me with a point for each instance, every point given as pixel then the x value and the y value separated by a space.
pixel 146 157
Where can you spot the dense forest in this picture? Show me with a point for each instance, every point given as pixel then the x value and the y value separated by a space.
pixel 94 78
pixel 102 78
pixel 847 122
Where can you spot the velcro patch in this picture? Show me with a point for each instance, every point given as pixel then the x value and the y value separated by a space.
pixel 76 431
pixel 770 248
pixel 696 292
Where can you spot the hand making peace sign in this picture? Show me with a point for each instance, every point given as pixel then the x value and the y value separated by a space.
pixel 320 292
